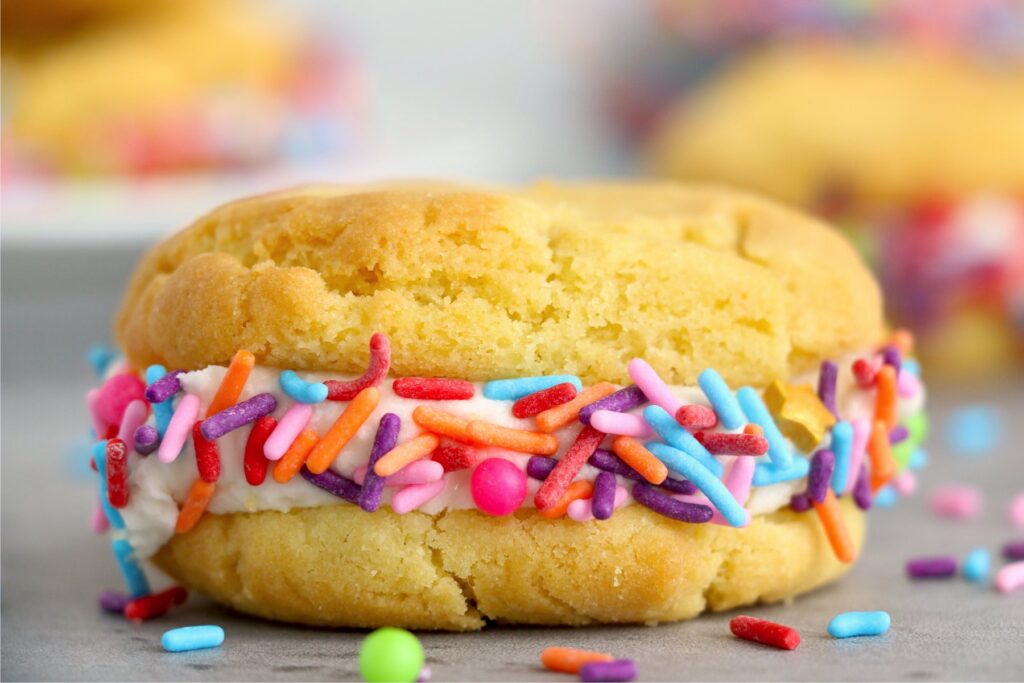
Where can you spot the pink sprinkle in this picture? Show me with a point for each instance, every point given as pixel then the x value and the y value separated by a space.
pixel 92 399
pixel 98 521
pixel 134 417
pixel 416 472
pixel 956 501
pixel 858 444
pixel 580 510
pixel 292 422
pixel 653 386
pixel 738 480
pixel 905 484
pixel 115 395
pixel 1010 577
pixel 620 424
pixel 411 497
pixel 907 385
pixel 179 428
pixel 1015 512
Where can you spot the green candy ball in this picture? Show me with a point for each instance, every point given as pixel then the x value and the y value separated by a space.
pixel 390 655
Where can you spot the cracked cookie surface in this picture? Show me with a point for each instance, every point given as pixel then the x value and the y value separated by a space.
pixel 327 566
pixel 484 284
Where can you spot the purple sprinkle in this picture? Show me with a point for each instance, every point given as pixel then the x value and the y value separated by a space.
pixel 800 502
pixel 605 460
pixel 898 434
pixel 681 486
pixel 147 439
pixel 622 400
pixel 602 502
pixel 891 356
pixel 939 567
pixel 539 467
pixel 165 387
pixel 666 505
pixel 1014 550
pixel 862 490
pixel 827 386
pixel 384 441
pixel 114 602
pixel 238 415
pixel 334 483
pixel 820 475
pixel 618 670
pixel 424 676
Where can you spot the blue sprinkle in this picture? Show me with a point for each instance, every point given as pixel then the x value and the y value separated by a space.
pixel 974 430
pixel 850 624
pixel 778 449
pixel 99 456
pixel 710 485
pixel 912 366
pixel 766 473
pixel 675 435
pixel 842 445
pixel 192 638
pixel 515 389
pixel 100 357
pixel 918 459
pixel 977 565
pixel 300 390
pixel 130 569
pixel 886 497
pixel 161 411
pixel 722 399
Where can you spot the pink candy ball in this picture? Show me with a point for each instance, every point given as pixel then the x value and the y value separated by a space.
pixel 498 487
pixel 115 395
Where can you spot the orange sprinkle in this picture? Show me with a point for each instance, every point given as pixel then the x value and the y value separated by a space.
pixel 903 340
pixel 403 454
pixel 751 428
pixel 343 429
pixel 295 457
pixel 640 459
pixel 234 381
pixel 883 466
pixel 885 398
pixel 576 491
pixel 555 418
pixel 569 660
pixel 194 506
pixel 519 440
pixel 442 422
pixel 835 528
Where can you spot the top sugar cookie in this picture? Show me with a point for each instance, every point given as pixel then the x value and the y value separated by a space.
pixel 483 284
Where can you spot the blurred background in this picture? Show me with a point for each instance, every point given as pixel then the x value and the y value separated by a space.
pixel 900 121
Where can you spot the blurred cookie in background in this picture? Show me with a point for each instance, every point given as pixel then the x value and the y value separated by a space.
pixel 113 87
pixel 919 153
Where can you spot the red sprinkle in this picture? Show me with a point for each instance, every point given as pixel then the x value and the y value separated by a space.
pixel 376 371
pixel 551 491
pixel 255 462
pixel 117 473
pixel 528 406
pixel 863 372
pixel 433 388
pixel 155 605
pixel 112 431
pixel 765 632
pixel 207 457
pixel 455 457
pixel 696 417
pixel 733 444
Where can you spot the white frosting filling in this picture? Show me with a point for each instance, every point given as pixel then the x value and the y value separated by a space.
pixel 156 488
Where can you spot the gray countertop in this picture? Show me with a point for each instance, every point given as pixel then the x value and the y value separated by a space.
pixel 56 304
